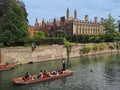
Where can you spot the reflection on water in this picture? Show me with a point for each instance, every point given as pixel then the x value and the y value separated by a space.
pixel 98 72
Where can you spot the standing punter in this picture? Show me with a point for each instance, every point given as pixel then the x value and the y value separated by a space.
pixel 63 65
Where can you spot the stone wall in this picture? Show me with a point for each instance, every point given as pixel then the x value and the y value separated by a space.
pixel 23 55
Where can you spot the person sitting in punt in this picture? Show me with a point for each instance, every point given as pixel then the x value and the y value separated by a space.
pixel 44 74
pixel 27 76
pixel 57 72
pixel 33 77
pixel 50 74
pixel 60 72
pixel 40 74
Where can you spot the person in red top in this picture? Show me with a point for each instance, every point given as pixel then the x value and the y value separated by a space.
pixel 44 74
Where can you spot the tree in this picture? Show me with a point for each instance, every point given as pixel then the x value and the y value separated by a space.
pixel 22 5
pixel 113 36
pixel 68 46
pixel 4 7
pixel 14 27
pixel 110 24
pixel 62 33
pixel 39 35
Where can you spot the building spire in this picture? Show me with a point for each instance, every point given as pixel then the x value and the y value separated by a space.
pixel 36 22
pixel 75 14
pixel 67 14
pixel 43 22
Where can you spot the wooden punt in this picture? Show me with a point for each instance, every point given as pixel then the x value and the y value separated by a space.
pixel 20 80
pixel 6 67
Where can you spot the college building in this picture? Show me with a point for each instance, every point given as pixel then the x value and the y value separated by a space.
pixel 72 25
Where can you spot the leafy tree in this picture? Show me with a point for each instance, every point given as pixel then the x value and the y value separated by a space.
pixel 39 35
pixel 68 47
pixel 14 26
pixel 110 24
pixel 22 5
pixel 112 36
pixel 61 33
pixel 96 38
pixel 4 7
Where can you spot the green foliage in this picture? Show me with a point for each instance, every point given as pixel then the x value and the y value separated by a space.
pixel 112 36
pixel 68 47
pixel 14 26
pixel 111 46
pixel 118 45
pixel 86 49
pixel 101 46
pixel 96 38
pixel 22 5
pixel 110 24
pixel 1 45
pixel 95 47
pixel 66 43
pixel 50 41
pixel 62 33
pixel 39 35
pixel 4 7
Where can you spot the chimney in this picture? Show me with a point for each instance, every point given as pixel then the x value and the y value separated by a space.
pixel 95 19
pixel 62 20
pixel 102 20
pixel 86 18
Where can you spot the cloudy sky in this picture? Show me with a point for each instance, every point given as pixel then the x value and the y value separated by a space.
pixel 49 9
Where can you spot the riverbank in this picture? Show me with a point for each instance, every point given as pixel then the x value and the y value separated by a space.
pixel 22 55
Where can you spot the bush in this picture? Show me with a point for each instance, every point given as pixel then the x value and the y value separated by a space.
pixel 111 47
pixel 50 41
pixel 95 47
pixel 85 49
pixel 101 46
pixel 1 45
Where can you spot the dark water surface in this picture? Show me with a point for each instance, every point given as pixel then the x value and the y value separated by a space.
pixel 98 72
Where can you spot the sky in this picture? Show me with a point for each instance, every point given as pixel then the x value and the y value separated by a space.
pixel 49 9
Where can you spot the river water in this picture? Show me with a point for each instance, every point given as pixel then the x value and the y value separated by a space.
pixel 98 72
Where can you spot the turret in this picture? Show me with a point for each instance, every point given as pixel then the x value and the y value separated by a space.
pixel 43 23
pixel 75 14
pixel 54 22
pixel 37 23
pixel 67 14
